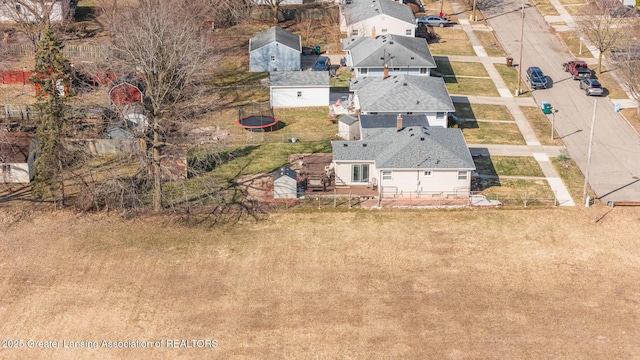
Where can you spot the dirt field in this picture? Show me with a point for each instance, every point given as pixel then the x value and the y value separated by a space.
pixel 494 284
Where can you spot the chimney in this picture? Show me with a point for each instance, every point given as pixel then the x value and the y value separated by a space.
pixel 399 122
pixel 386 71
pixel 373 32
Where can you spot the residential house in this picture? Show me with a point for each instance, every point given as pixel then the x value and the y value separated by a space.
pixel 32 11
pixel 403 94
pixel 406 161
pixel 275 49
pixel 360 18
pixel 17 154
pixel 401 55
pixel 291 89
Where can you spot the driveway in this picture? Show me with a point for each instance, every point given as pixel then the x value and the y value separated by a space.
pixel 615 160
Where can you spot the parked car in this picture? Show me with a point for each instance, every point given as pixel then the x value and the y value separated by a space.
pixel 323 63
pixel 591 87
pixel 433 20
pixel 536 78
pixel 578 69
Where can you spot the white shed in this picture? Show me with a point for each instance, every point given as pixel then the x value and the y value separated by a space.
pixel 285 184
pixel 292 89
pixel 275 49
pixel 348 128
pixel 17 154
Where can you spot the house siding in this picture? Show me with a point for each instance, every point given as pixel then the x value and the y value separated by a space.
pixel 349 131
pixel 60 11
pixel 343 173
pixel 380 23
pixel 286 58
pixel 379 72
pixel 414 182
pixel 285 97
pixel 285 188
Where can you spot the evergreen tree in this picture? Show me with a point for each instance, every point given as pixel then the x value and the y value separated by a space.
pixel 49 76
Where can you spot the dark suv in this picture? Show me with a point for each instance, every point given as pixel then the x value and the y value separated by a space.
pixel 591 87
pixel 536 78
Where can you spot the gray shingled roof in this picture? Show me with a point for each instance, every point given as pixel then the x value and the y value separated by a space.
pixel 372 124
pixel 284 171
pixel 396 50
pixel 402 93
pixel 275 34
pixel 299 78
pixel 348 119
pixel 410 148
pixel 360 10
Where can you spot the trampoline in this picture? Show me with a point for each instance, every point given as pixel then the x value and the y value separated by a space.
pixel 257 117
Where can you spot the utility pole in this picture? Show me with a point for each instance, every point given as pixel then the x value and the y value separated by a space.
pixel 474 10
pixel 586 176
pixel 519 89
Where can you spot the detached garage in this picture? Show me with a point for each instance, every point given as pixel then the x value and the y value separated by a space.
pixel 299 89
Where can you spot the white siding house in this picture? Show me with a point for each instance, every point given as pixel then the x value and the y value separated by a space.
pixel 27 10
pixel 401 55
pixel 376 17
pixel 275 49
pixel 403 94
pixel 293 89
pixel 17 154
pixel 407 161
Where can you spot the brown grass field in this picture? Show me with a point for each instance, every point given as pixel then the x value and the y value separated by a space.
pixel 431 284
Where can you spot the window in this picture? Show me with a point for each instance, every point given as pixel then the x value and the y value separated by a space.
pixel 6 169
pixel 440 115
pixel 387 175
pixel 364 71
pixel 408 32
pixel 384 30
pixel 354 32
pixel 18 7
pixel 273 58
pixel 423 71
pixel 462 175
pixel 299 94
pixel 395 69
pixel 360 173
pixel 428 173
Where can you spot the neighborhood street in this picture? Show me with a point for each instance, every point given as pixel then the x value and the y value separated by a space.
pixel 614 168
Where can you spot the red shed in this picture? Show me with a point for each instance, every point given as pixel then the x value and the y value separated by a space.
pixel 127 89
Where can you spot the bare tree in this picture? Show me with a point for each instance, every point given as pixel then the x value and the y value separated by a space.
pixel 31 16
pixel 601 26
pixel 274 6
pixel 627 64
pixel 229 12
pixel 162 41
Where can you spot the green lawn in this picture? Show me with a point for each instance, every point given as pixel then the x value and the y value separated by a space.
pixel 509 75
pixel 508 166
pixel 571 176
pixel 482 111
pixel 541 125
pixel 492 133
pixel 490 43
pixel 461 68
pixel 515 192
pixel 572 40
pixel 471 86
pixel 451 41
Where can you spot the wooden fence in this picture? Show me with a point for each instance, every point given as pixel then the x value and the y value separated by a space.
pixel 69 51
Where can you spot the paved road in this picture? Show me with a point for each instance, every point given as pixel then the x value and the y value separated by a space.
pixel 615 161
